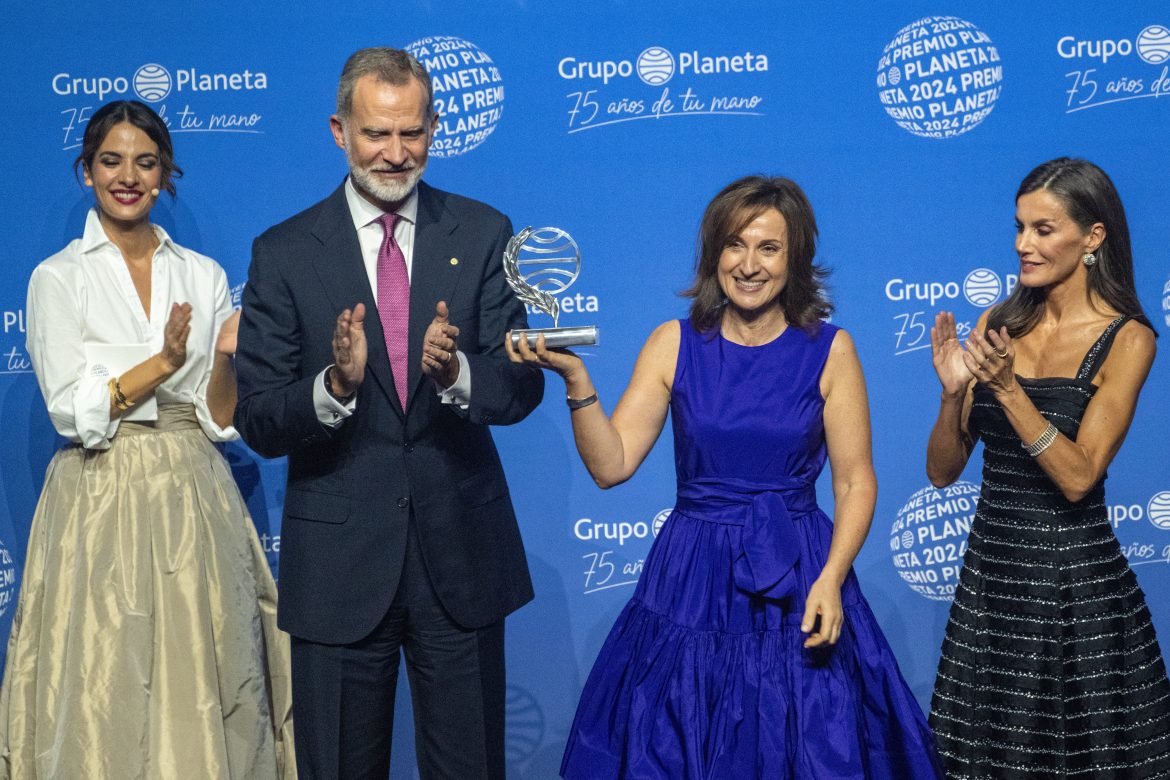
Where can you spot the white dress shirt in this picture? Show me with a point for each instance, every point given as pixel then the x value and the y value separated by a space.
pixel 370 234
pixel 84 295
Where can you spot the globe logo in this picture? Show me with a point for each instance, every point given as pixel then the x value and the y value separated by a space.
pixel 982 287
pixel 928 539
pixel 468 91
pixel 1158 510
pixel 1153 44
pixel 655 66
pixel 553 256
pixel 660 519
pixel 526 725
pixel 152 82
pixel 944 85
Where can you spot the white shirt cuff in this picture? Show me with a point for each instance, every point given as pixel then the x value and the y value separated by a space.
pixel 330 411
pixel 459 393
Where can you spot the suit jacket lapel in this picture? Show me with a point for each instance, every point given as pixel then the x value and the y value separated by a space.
pixel 342 273
pixel 433 275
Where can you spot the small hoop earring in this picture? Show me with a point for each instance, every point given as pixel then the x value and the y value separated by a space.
pixel 1089 259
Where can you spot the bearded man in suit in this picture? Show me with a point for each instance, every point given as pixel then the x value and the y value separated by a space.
pixel 371 353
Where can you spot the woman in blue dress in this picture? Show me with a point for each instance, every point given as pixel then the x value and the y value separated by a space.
pixel 747 650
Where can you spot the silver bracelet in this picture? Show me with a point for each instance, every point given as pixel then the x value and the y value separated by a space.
pixel 580 403
pixel 1043 442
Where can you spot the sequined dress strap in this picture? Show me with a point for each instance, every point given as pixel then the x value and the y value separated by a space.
pixel 1100 350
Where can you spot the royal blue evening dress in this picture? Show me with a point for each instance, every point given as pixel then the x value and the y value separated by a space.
pixel 704 675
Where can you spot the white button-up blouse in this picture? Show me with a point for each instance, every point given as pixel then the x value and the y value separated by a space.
pixel 84 295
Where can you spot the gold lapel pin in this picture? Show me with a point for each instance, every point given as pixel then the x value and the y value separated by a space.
pixel 454 261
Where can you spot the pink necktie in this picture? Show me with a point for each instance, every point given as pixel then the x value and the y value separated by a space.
pixel 394 303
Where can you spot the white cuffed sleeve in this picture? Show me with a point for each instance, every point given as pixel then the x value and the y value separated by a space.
pixel 459 393
pixel 330 412
pixel 78 402
pixel 222 300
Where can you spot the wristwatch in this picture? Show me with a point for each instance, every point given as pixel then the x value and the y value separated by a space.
pixel 327 378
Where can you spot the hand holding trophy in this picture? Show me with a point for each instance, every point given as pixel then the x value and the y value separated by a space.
pixel 538 264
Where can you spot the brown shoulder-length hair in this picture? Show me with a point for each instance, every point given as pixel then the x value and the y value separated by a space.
pixel 1089 197
pixel 139 115
pixel 803 298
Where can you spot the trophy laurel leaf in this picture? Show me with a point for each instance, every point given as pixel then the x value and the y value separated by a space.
pixel 528 294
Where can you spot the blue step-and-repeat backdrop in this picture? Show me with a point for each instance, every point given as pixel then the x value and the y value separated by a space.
pixel 909 125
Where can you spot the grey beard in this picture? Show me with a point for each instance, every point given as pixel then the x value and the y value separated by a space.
pixel 390 192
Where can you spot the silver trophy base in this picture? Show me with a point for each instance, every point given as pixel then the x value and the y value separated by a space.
pixel 556 338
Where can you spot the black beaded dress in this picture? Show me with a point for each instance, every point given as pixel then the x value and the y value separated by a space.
pixel 1050 667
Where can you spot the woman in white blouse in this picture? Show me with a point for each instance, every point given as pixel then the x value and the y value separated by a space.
pixel 145 641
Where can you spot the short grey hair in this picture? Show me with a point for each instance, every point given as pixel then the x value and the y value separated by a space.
pixel 389 66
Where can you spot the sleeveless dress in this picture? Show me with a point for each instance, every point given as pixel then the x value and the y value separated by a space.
pixel 704 675
pixel 1050 667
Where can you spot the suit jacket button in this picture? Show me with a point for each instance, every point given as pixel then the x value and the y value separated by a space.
pixel 403 503
pixel 408 447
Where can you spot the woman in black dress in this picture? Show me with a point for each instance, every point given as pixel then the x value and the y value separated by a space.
pixel 1050 666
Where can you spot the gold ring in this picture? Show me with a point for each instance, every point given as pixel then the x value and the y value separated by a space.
pixel 1000 354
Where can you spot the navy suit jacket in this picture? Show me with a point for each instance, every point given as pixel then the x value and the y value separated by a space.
pixel 351 489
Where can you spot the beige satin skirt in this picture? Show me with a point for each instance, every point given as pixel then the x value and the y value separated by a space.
pixel 145 644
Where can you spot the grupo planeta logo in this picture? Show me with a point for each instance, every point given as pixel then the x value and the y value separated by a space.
pixel 616 566
pixel 929 538
pixel 660 520
pixel 526 724
pixel 681 83
pixel 655 66
pixel 918 301
pixel 1139 544
pixel 7 579
pixel 152 82
pixel 13 358
pixel 1158 510
pixel 939 77
pixel 1153 44
pixel 468 89
pixel 982 287
pixel 189 99
pixel 1111 71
